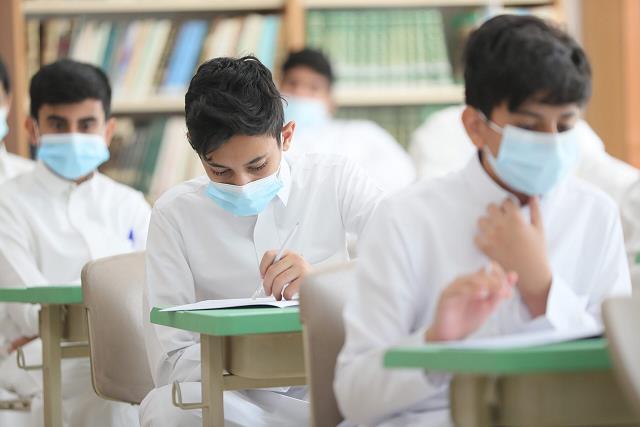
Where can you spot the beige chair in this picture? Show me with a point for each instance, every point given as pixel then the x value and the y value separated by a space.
pixel 322 298
pixel 112 289
pixel 622 327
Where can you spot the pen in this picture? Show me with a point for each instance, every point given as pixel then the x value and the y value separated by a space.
pixel 283 248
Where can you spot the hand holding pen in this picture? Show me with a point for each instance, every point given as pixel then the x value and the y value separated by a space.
pixel 282 271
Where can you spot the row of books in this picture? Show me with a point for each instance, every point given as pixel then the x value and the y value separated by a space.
pixel 403 47
pixel 153 155
pixel 152 56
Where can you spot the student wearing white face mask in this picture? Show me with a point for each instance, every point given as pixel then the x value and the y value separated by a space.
pixel 509 242
pixel 10 164
pixel 214 237
pixel 306 84
pixel 58 217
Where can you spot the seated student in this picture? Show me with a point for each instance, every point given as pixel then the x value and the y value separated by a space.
pixel 307 81
pixel 58 217
pixel 510 239
pixel 215 236
pixel 10 164
pixel 441 145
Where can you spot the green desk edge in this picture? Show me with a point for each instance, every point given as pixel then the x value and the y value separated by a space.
pixel 53 294
pixel 583 355
pixel 232 321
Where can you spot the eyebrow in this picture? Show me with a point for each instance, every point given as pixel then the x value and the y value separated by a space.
pixel 256 160
pixel 54 117
pixel 540 116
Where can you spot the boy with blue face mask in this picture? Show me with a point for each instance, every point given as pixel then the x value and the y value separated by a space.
pixel 307 85
pixel 510 242
pixel 10 164
pixel 58 217
pixel 216 236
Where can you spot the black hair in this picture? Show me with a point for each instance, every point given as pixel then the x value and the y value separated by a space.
pixel 68 82
pixel 4 78
pixel 228 97
pixel 515 58
pixel 310 58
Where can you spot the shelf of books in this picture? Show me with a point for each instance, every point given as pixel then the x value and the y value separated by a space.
pixel 65 8
pixel 396 61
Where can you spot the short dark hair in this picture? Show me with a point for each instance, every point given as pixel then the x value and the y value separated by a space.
pixel 4 78
pixel 228 97
pixel 310 58
pixel 68 82
pixel 514 58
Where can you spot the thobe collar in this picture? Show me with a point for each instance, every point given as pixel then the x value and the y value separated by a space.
pixel 285 178
pixel 56 184
pixel 485 190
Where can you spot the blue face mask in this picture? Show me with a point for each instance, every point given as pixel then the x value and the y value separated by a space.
pixel 72 155
pixel 245 200
pixel 4 127
pixel 306 112
pixel 533 162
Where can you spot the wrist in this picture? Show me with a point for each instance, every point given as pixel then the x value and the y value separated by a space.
pixel 535 298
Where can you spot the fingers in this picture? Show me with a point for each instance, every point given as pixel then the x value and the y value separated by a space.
pixel 536 215
pixel 292 290
pixel 267 260
pixel 290 268
pixel 285 278
pixel 274 271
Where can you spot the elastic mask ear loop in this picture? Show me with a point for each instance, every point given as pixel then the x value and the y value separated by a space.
pixel 493 126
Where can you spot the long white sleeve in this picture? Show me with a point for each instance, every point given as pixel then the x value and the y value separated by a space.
pixel 169 282
pixel 379 316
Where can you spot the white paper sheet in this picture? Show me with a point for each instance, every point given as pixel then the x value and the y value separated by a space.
pixel 522 340
pixel 234 303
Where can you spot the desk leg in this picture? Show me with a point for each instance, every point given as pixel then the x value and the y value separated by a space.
pixel 50 333
pixel 212 380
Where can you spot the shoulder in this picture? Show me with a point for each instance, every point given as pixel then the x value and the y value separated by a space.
pixel 121 193
pixel 181 194
pixel 580 194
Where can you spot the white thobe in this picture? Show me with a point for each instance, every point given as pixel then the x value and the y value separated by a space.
pixel 198 251
pixel 12 165
pixel 366 143
pixel 50 228
pixel 420 241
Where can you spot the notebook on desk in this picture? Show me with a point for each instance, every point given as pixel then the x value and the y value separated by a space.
pixel 216 304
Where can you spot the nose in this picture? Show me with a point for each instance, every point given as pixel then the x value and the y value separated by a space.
pixel 240 179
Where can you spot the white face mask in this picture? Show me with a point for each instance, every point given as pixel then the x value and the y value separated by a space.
pixel 73 155
pixel 533 162
pixel 306 112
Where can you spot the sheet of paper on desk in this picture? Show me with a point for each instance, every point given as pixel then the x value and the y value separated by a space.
pixel 524 339
pixel 214 304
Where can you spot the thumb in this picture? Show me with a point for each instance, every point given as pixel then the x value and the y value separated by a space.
pixel 534 210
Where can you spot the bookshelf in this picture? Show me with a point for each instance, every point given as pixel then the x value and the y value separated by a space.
pixel 615 57
pixel 14 27
pixel 46 8
pixel 293 14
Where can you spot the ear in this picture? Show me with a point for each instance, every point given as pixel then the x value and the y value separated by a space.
pixel 109 131
pixel 474 125
pixel 287 135
pixel 31 126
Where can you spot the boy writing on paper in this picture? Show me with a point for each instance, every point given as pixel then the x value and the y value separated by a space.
pixel 509 240
pixel 216 236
